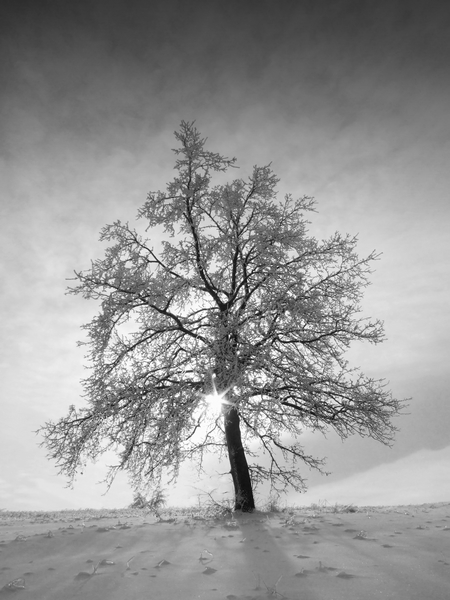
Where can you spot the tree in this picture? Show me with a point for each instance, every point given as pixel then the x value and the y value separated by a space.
pixel 240 305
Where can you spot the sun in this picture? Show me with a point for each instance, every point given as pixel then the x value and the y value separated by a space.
pixel 215 400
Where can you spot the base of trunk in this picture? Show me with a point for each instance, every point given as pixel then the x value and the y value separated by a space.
pixel 238 462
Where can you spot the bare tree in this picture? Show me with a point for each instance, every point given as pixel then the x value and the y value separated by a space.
pixel 240 304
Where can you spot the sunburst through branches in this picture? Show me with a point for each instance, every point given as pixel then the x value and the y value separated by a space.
pixel 215 400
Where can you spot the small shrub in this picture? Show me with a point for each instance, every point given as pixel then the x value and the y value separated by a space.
pixel 212 509
pixel 273 505
pixel 155 504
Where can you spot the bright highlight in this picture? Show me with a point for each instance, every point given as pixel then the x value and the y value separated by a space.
pixel 214 400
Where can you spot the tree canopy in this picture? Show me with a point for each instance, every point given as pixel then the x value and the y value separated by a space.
pixel 239 302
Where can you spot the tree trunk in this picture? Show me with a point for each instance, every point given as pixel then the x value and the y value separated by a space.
pixel 239 468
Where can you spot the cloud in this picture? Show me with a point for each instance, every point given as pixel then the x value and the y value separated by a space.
pixel 418 478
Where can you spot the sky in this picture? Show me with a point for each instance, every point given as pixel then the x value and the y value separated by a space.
pixel 348 100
